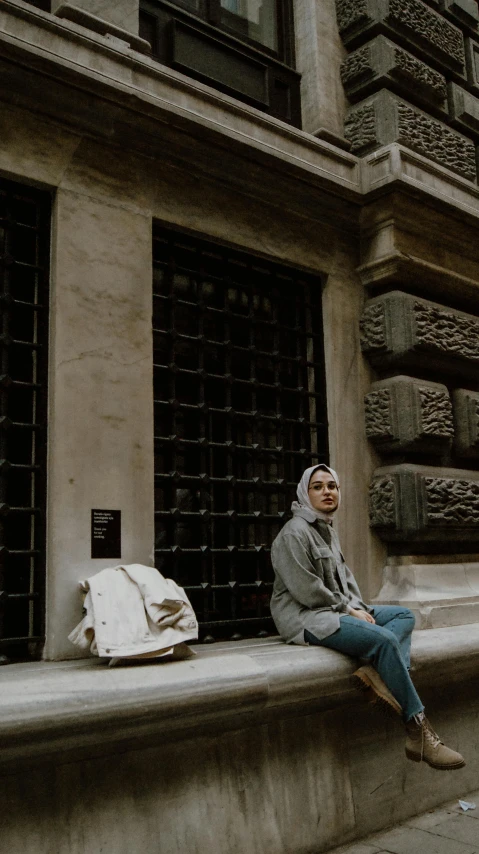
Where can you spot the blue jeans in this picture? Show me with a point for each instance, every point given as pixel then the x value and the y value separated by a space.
pixel 386 644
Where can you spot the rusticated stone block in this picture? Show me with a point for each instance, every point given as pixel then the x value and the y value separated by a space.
pixel 380 62
pixel 352 14
pixel 412 20
pixel 466 420
pixel 465 12
pixel 392 120
pixel 411 503
pixel 463 109
pixel 406 414
pixel 401 330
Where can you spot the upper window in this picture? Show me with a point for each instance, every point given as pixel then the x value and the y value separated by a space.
pixel 242 47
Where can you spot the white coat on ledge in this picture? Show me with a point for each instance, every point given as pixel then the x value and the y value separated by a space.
pixel 132 611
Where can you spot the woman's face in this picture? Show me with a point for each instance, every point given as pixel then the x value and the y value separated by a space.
pixel 323 491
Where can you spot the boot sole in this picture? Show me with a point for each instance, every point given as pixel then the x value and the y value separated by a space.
pixel 416 757
pixel 383 703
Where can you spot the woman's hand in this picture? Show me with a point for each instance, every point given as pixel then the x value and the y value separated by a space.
pixel 362 615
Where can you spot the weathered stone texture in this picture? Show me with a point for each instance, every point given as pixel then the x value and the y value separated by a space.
pixel 404 413
pixel 385 118
pixel 432 139
pixel 436 413
pixel 452 502
pixel 424 504
pixel 418 73
pixel 441 329
pixel 360 128
pixel 417 18
pixel 357 65
pixel 381 61
pixel 407 329
pixel 413 20
pixel 373 327
pixel 382 500
pixel 351 12
pixel 378 414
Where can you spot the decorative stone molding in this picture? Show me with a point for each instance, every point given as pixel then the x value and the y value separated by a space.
pixel 397 121
pixel 360 128
pixel 398 330
pixel 378 414
pixel 466 419
pixel 410 503
pixel 358 66
pixel 381 62
pixel 403 413
pixel 382 502
pixel 464 109
pixel 352 13
pixel 412 20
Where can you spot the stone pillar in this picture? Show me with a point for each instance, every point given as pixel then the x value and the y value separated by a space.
pixel 101 378
pixel 123 14
pixel 319 53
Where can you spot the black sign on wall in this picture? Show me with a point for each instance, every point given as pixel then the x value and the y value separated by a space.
pixel 106 533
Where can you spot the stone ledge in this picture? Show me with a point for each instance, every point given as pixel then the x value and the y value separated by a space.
pixel 83 708
pixel 395 163
pixel 79 16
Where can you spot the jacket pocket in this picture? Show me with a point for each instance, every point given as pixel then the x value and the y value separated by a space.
pixel 321 552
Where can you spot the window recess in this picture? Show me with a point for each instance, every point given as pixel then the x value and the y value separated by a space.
pixel 24 254
pixel 240 412
pixel 241 47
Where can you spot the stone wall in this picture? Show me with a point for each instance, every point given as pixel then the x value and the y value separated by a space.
pixel 424 53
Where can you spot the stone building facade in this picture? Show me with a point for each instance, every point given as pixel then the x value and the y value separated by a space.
pixel 236 238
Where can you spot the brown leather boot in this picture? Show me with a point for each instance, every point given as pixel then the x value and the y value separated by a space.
pixel 366 678
pixel 424 745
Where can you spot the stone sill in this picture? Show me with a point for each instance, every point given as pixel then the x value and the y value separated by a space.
pixel 83 708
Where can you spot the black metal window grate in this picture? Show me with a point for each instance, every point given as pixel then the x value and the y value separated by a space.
pixel 24 251
pixel 240 411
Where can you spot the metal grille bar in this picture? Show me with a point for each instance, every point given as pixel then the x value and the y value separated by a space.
pixel 240 411
pixel 24 251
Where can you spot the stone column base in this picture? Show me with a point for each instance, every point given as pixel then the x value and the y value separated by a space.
pixel 439 594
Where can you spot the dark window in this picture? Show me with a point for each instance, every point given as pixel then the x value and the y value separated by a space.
pixel 240 411
pixel 24 249
pixel 242 47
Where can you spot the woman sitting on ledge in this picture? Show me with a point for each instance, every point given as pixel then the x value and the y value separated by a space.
pixel 316 601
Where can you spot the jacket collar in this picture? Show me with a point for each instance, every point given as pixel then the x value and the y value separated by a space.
pixel 305 513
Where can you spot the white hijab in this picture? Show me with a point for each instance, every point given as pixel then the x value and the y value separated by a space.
pixel 303 493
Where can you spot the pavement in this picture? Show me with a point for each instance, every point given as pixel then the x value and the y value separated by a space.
pixel 445 830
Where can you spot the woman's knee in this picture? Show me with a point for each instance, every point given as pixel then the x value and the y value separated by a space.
pixel 398 613
pixel 407 616
pixel 385 639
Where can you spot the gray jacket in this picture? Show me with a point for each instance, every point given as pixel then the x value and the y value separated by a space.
pixel 312 586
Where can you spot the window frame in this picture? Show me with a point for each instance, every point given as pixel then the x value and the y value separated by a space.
pixel 242 59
